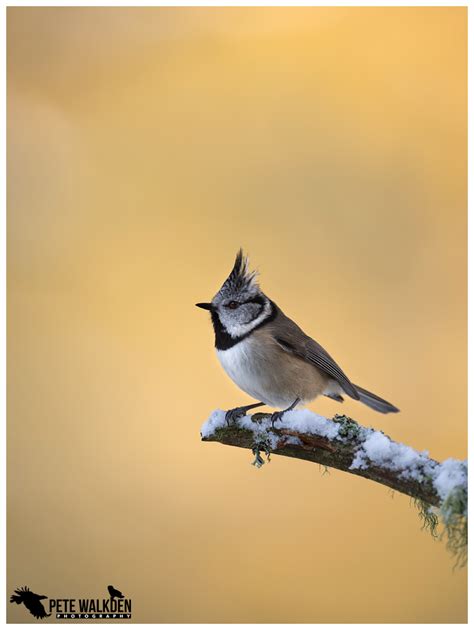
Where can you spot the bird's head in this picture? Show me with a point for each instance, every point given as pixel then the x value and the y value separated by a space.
pixel 239 305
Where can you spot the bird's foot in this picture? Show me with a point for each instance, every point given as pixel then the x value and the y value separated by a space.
pixel 278 415
pixel 233 415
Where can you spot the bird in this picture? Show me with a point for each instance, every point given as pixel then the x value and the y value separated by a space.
pixel 31 601
pixel 114 592
pixel 269 356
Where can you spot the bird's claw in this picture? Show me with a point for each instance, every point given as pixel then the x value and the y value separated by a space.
pixel 233 415
pixel 276 415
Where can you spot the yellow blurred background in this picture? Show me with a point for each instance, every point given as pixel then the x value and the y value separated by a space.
pixel 144 147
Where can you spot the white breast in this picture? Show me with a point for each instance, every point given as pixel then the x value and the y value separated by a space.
pixel 250 366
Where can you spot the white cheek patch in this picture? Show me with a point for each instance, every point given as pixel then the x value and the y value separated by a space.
pixel 238 330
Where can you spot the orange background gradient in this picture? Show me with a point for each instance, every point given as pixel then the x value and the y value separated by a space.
pixel 144 147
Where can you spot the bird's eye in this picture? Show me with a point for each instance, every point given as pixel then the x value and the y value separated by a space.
pixel 233 305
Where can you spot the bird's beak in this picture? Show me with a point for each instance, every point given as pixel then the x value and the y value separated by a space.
pixel 205 305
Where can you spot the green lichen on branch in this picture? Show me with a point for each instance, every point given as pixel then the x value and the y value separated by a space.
pixel 349 428
pixel 451 519
pixel 428 516
pixel 454 515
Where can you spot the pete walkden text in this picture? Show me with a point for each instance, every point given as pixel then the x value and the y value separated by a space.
pixel 116 608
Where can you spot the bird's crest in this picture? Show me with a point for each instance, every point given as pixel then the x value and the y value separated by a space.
pixel 240 278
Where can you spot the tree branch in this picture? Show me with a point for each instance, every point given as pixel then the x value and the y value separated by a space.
pixel 331 453
pixel 344 444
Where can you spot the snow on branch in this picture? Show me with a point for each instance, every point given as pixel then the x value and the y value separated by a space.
pixel 439 489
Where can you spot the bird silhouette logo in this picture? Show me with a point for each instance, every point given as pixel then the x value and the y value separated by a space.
pixel 114 592
pixel 31 601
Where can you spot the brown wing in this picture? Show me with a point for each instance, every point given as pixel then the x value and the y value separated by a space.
pixel 292 339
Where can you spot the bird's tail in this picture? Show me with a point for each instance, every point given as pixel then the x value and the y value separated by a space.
pixel 375 402
pixel 17 599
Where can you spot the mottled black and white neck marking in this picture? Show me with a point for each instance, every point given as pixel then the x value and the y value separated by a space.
pixel 229 334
